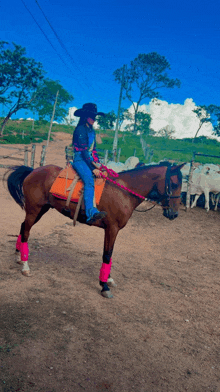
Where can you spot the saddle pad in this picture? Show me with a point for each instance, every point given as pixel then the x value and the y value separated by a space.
pixel 65 179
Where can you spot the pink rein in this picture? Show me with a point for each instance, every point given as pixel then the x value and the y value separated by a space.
pixel 114 174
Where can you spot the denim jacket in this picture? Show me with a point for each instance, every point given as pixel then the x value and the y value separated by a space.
pixel 84 142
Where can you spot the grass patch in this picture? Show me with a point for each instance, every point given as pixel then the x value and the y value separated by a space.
pixel 160 148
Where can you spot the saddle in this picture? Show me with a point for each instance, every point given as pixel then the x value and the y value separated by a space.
pixel 68 186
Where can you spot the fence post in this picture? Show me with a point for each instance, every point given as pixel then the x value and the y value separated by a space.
pixel 43 152
pixel 33 148
pixel 188 194
pixel 151 155
pixel 26 156
pixel 146 152
pixel 106 157
pixel 119 153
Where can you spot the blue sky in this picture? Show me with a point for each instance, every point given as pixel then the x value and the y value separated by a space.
pixel 100 36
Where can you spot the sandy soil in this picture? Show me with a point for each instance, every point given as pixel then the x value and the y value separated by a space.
pixel 160 332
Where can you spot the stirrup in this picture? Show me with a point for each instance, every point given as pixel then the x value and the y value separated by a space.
pixel 96 216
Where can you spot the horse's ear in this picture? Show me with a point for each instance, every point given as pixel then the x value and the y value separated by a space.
pixel 181 166
pixel 176 169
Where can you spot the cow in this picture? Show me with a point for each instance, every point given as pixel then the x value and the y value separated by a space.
pixel 206 182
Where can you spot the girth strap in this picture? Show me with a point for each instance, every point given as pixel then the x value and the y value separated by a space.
pixel 77 208
pixel 71 189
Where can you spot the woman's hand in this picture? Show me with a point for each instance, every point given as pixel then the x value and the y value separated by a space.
pixel 97 173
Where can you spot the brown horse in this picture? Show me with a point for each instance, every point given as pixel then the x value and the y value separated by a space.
pixel 30 189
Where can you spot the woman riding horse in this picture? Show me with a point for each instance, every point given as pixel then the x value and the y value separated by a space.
pixel 31 190
pixel 85 154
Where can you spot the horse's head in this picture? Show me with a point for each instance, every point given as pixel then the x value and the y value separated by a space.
pixel 171 195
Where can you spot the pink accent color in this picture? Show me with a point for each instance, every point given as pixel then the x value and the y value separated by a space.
pixel 109 171
pixel 105 271
pixel 18 243
pixel 24 251
pixel 114 174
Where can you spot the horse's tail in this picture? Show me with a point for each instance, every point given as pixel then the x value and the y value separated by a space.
pixel 15 181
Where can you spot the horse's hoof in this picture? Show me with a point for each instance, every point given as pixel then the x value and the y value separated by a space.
pixel 111 282
pixel 26 273
pixel 107 294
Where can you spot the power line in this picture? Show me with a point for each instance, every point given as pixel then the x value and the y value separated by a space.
pixel 62 44
pixel 43 33
pixel 58 38
pixel 48 39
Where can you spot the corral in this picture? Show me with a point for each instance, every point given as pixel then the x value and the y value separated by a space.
pixel 160 332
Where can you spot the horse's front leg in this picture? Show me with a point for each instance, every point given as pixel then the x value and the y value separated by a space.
pixel 104 276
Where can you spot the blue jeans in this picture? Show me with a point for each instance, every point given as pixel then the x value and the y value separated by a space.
pixel 87 177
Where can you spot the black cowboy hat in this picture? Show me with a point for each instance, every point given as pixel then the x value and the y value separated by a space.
pixel 88 109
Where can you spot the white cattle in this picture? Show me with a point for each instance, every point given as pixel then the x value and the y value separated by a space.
pixel 215 200
pixel 118 167
pixel 131 163
pixel 195 177
pixel 210 167
pixel 206 183
pixel 205 179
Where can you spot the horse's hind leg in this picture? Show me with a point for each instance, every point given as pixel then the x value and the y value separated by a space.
pixel 22 241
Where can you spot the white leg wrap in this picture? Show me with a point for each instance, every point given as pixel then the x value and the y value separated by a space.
pixel 25 270
pixel 111 282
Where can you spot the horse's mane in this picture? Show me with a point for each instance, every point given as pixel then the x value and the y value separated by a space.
pixel 142 168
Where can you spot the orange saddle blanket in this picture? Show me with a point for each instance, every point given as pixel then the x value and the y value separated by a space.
pixel 65 178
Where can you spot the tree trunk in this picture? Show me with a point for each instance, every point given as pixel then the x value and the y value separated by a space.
pixel 197 132
pixel 4 123
pixel 135 120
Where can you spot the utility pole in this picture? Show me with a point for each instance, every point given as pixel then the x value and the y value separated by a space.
pixel 115 142
pixel 51 123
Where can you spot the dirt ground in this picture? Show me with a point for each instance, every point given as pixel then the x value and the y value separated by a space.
pixel 160 332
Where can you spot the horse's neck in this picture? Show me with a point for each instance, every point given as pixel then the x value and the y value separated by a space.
pixel 140 181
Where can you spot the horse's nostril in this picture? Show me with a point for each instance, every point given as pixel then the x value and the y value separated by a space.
pixel 170 214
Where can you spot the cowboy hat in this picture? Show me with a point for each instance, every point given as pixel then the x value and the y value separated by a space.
pixel 88 109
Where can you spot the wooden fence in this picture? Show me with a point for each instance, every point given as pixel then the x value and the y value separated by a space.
pixel 108 155
pixel 14 155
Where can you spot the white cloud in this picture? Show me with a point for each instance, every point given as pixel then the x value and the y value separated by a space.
pixel 179 118
pixel 70 118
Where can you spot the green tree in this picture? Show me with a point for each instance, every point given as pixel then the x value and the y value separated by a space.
pixel 107 121
pixel 19 79
pixel 123 115
pixel 208 114
pixel 143 121
pixel 44 98
pixel 145 77
pixel 166 132
pixel 214 112
pixel 203 116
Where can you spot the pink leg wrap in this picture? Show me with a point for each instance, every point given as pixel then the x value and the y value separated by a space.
pixel 24 251
pixel 105 271
pixel 18 243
